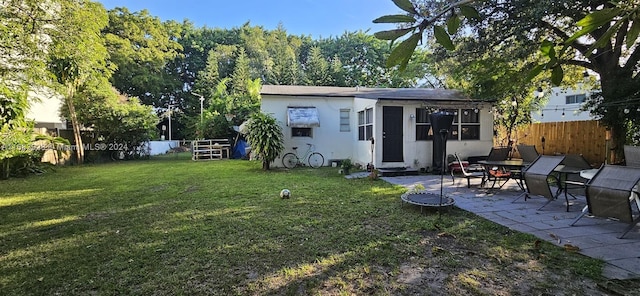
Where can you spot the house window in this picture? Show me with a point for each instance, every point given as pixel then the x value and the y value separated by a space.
pixel 344 120
pixel 301 132
pixel 576 99
pixel 466 125
pixel 455 127
pixel 365 124
pixel 423 126
pixel 469 124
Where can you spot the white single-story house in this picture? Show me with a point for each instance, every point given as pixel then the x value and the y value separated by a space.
pixel 341 121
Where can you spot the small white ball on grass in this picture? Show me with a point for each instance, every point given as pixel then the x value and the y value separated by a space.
pixel 285 193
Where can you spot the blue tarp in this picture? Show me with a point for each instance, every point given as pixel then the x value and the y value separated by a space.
pixel 239 150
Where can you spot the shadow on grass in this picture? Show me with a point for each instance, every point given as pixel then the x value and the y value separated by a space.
pixel 181 227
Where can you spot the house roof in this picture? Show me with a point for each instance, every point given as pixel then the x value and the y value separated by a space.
pixel 420 94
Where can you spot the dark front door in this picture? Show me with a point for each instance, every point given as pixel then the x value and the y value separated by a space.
pixel 392 150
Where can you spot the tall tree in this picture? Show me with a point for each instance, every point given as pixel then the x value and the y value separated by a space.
pixel 336 71
pixel 490 76
pixel 285 68
pixel 255 44
pixel 363 57
pixel 207 81
pixel 78 54
pixel 25 38
pixel 317 68
pixel 141 46
pixel 241 73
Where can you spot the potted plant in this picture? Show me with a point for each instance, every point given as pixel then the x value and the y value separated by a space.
pixel 346 165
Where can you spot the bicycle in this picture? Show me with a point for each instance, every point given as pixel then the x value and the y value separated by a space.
pixel 314 159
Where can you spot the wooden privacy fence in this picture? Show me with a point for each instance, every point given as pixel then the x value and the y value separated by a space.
pixel 569 137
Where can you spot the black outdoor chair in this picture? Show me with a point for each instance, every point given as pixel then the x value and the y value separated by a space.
pixel 632 155
pixel 611 194
pixel 498 153
pixel 496 173
pixel 574 184
pixel 539 176
pixel 468 175
pixel 528 153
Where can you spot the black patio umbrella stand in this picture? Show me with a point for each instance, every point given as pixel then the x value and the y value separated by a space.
pixel 423 198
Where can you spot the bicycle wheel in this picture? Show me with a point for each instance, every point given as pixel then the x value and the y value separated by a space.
pixel 316 160
pixel 290 160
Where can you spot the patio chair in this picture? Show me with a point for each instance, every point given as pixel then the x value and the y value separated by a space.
pixel 539 175
pixel 498 153
pixel 632 155
pixel 576 161
pixel 468 175
pixel 573 183
pixel 528 153
pixel 495 173
pixel 610 194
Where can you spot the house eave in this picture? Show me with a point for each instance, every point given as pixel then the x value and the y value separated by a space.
pixel 420 94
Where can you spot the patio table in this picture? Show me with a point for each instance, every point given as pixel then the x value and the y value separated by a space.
pixel 588 174
pixel 512 164
pixel 564 182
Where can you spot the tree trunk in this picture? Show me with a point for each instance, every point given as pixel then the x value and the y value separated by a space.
pixel 4 171
pixel 76 125
pixel 618 140
pixel 617 87
pixel 265 165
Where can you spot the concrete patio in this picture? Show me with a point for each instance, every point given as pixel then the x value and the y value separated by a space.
pixel 597 238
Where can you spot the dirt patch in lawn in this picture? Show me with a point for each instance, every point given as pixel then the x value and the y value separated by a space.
pixel 448 265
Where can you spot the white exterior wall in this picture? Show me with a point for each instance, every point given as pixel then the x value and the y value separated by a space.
pixel 361 153
pixel 557 104
pixel 334 144
pixel 417 154
pixel 327 138
pixel 161 147
pixel 45 109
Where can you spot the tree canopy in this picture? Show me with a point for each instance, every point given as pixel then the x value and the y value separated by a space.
pixel 600 37
pixel 81 52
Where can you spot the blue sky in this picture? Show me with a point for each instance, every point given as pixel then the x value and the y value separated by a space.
pixel 318 18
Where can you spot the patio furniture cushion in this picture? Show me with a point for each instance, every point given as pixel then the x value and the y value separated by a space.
pixel 498 173
pixel 455 166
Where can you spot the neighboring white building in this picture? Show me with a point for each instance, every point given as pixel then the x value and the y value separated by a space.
pixel 340 121
pixel 44 109
pixel 564 105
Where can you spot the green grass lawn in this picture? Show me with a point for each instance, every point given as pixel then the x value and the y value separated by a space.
pixel 171 226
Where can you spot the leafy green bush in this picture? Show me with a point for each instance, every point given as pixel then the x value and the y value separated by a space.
pixel 264 134
pixel 118 122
